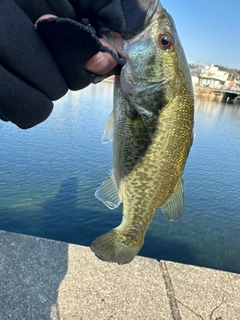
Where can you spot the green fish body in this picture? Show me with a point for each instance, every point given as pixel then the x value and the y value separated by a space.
pixel 152 122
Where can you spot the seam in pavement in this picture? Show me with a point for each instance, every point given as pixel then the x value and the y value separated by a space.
pixel 170 291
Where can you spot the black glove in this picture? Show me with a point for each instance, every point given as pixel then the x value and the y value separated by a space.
pixel 123 16
pixel 39 66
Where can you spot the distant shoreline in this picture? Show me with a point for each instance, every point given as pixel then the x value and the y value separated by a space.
pixel 199 91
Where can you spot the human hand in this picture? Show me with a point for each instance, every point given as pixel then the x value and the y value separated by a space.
pixel 34 70
pixel 31 78
pixel 102 62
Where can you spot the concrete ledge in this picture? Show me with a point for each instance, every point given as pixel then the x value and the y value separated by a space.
pixel 43 279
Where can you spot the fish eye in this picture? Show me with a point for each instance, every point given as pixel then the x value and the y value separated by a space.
pixel 165 41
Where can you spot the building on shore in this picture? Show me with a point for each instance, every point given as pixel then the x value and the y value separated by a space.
pixel 212 77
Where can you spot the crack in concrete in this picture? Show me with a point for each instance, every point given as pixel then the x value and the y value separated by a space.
pixel 170 291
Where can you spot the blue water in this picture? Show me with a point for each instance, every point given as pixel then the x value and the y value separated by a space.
pixel 48 176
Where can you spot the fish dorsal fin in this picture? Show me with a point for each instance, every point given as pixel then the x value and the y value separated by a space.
pixel 108 193
pixel 173 208
pixel 108 130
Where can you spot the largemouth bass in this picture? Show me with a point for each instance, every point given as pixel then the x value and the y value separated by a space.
pixel 152 122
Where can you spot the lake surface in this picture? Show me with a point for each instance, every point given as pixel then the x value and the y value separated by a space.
pixel 48 176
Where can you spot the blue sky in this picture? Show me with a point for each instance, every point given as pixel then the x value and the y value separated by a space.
pixel 209 30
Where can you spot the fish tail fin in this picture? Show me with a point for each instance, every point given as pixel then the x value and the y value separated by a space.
pixel 110 247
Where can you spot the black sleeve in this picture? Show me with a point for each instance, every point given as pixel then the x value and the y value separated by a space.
pixel 30 78
pixel 36 8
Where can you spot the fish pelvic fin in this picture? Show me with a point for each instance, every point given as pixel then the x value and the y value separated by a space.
pixel 111 248
pixel 107 193
pixel 108 130
pixel 173 208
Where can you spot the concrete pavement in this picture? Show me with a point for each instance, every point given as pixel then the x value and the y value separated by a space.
pixel 43 279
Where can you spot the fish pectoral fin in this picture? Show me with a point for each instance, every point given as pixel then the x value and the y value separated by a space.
pixel 142 110
pixel 108 193
pixel 173 208
pixel 108 130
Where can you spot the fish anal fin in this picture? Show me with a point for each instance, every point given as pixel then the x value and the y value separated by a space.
pixel 173 208
pixel 108 193
pixel 108 130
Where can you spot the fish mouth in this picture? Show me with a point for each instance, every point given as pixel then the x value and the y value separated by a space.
pixel 120 41
pixel 152 9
